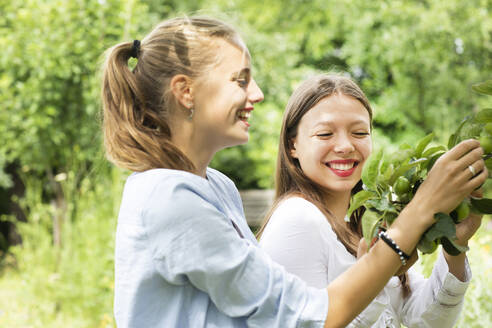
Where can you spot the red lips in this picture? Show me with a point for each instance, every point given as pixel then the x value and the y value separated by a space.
pixel 343 173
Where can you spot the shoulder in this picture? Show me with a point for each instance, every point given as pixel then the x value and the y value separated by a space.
pixel 296 215
pixel 219 176
pixel 164 189
pixel 299 209
pixel 149 179
pixel 225 186
pixel 221 181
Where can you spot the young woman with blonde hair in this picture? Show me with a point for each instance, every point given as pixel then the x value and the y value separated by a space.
pixel 185 256
pixel 324 143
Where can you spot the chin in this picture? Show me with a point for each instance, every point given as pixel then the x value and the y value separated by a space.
pixel 237 140
pixel 342 186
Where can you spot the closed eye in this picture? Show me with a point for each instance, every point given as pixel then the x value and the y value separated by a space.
pixel 361 134
pixel 242 82
pixel 324 135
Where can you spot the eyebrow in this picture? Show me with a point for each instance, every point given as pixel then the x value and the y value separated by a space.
pixel 331 123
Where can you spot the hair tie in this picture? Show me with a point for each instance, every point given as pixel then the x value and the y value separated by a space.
pixel 135 49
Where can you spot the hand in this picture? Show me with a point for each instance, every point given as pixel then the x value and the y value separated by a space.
pixel 450 179
pixel 362 250
pixel 467 228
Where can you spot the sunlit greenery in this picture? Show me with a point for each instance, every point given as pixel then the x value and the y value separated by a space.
pixel 416 61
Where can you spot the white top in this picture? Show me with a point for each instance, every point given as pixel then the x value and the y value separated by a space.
pixel 299 237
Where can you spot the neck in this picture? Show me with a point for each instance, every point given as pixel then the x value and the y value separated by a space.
pixel 338 203
pixel 196 147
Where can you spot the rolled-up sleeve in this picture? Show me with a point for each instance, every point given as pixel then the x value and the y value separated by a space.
pixel 192 241
pixel 437 301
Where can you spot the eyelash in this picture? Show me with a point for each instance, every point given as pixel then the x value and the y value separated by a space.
pixel 242 82
pixel 358 134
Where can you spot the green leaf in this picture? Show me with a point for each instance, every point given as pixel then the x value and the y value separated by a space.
pixel 370 221
pixel 402 169
pixel 484 205
pixel 422 144
pixel 381 205
pixel 483 87
pixel 386 174
pixel 432 160
pixel 389 217
pixel 444 227
pixel 359 199
pixel 451 247
pixel 371 170
pixel 433 150
pixel 484 115
pixel 454 139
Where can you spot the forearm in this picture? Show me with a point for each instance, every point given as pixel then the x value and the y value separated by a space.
pixel 456 265
pixel 436 301
pixel 352 291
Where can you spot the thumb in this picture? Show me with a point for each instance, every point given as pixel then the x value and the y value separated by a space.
pixel 362 249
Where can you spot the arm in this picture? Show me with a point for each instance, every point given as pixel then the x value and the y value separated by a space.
pixel 446 185
pixel 193 242
pixel 300 238
pixel 437 301
pixel 464 231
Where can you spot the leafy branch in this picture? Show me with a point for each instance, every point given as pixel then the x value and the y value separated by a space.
pixel 391 181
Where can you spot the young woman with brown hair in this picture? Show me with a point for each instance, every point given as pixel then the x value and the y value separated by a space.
pixel 185 256
pixel 324 143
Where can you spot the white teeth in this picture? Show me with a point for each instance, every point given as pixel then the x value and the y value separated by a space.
pixel 343 167
pixel 244 114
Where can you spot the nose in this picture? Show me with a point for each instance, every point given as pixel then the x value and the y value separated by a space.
pixel 255 94
pixel 343 144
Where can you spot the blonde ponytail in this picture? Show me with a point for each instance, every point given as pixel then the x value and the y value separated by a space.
pixel 137 104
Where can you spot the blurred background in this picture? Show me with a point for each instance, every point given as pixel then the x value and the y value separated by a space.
pixel 59 197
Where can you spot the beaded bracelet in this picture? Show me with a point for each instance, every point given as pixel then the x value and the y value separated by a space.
pixel 391 243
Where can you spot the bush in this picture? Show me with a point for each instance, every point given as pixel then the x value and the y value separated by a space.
pixel 70 285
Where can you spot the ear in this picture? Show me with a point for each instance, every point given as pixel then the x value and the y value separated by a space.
pixel 292 148
pixel 182 89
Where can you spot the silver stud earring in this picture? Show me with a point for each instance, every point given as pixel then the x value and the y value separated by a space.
pixel 192 111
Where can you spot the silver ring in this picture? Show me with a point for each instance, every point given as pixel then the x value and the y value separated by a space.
pixel 472 170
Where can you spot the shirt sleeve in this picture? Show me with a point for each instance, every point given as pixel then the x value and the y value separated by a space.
pixel 192 241
pixel 437 301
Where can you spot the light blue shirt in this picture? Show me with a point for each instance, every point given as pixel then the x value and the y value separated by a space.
pixel 181 263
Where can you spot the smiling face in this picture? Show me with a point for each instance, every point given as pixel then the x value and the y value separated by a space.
pixel 333 142
pixel 224 98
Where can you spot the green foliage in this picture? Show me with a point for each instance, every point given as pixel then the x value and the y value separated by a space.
pixel 70 285
pixel 48 75
pixel 415 73
pixel 390 183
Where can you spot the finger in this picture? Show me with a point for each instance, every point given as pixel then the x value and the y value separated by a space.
pixel 470 158
pixel 462 148
pixel 472 170
pixel 478 193
pixel 475 181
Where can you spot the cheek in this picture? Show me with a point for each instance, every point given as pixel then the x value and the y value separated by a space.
pixel 365 147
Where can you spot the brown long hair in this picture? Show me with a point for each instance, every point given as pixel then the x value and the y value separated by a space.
pixel 137 103
pixel 290 180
